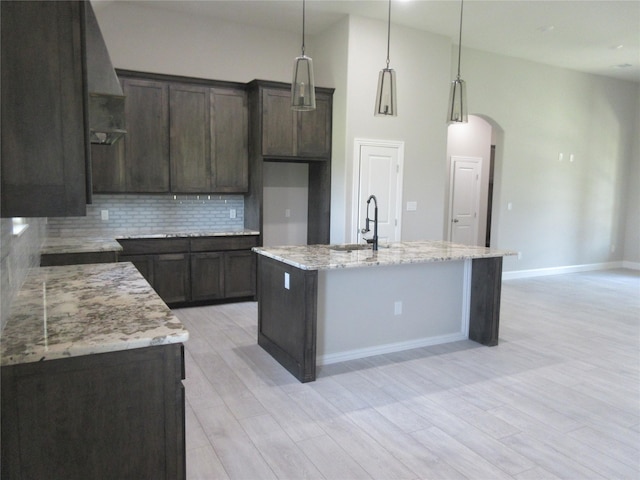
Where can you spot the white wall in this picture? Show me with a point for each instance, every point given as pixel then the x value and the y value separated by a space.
pixel 160 41
pixel 285 196
pixel 564 213
pixel 422 62
pixel 632 223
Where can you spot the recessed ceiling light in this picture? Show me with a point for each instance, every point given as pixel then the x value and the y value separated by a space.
pixel 546 28
pixel 617 47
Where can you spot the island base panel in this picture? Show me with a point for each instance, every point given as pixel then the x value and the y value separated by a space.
pixel 484 314
pixel 287 316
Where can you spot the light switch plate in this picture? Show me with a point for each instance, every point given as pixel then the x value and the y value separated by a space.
pixel 286 280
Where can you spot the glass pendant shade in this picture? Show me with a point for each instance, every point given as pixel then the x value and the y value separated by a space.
pixel 458 102
pixel 303 91
pixel 386 98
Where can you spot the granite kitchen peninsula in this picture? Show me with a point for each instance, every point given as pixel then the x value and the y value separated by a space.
pixel 92 369
pixel 322 304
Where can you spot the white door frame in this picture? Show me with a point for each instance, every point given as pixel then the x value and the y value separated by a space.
pixel 358 143
pixel 478 161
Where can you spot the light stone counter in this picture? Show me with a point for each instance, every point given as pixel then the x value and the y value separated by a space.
pixel 109 243
pixel 328 257
pixel 86 309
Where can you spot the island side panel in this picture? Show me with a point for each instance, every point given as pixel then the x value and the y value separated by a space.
pixel 486 286
pixel 287 316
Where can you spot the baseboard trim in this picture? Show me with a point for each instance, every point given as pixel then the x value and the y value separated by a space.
pixel 388 348
pixel 540 272
pixel 631 265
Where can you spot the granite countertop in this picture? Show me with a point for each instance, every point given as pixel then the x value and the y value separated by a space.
pixel 57 245
pixel 328 257
pixel 82 244
pixel 86 309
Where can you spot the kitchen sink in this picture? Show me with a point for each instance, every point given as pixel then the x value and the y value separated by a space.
pixel 350 247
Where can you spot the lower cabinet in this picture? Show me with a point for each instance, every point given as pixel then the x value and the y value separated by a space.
pixel 207 276
pixel 171 277
pixel 200 269
pixel 104 416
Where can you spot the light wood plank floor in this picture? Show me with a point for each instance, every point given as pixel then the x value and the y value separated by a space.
pixel 559 397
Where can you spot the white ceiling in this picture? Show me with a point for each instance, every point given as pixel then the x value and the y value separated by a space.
pixel 594 36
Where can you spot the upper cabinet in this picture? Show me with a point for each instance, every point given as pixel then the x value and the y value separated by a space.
pixel 289 133
pixel 209 139
pixel 45 141
pixel 184 136
pixel 139 162
pixel 147 140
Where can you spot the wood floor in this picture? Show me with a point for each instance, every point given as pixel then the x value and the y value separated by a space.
pixel 559 397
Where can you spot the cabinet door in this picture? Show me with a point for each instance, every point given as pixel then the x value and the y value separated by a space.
pixel 207 276
pixel 239 274
pixel 277 124
pixel 230 138
pixel 108 170
pixel 190 139
pixel 171 277
pixel 314 130
pixel 44 135
pixel 147 139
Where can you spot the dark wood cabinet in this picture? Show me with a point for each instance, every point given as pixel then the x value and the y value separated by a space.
pixel 103 416
pixel 230 140
pixel 239 274
pixel 190 135
pixel 207 276
pixel 171 277
pixel 287 133
pixel 147 140
pixel 184 136
pixel 209 142
pixel 140 163
pixel 199 269
pixel 279 134
pixel 45 141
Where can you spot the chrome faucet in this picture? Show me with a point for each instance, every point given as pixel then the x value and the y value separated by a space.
pixel 366 229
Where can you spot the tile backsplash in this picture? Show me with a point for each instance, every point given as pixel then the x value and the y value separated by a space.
pixel 148 213
pixel 19 252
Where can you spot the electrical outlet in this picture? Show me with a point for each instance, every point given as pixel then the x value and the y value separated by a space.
pixel 232 213
pixel 519 255
pixel 104 215
pixel 287 212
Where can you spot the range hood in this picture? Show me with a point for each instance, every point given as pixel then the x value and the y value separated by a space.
pixel 106 100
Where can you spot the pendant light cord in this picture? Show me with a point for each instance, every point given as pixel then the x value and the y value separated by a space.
pixel 388 33
pixel 459 37
pixel 303 8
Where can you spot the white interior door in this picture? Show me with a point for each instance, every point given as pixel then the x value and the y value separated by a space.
pixel 465 199
pixel 379 174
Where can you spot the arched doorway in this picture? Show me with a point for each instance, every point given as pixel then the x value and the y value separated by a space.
pixel 474 159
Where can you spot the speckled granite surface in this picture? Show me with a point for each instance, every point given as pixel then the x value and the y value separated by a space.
pixel 60 245
pixel 327 257
pixel 57 245
pixel 86 309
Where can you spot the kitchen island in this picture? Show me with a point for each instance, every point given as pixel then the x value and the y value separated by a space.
pixel 92 369
pixel 321 304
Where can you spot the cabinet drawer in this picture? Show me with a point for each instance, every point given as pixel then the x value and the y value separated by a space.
pixel 208 244
pixel 140 246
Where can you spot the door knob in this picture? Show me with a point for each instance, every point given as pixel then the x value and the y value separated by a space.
pixel 455 220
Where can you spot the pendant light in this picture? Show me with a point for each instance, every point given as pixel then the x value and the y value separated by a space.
pixel 386 97
pixel 458 95
pixel 303 91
